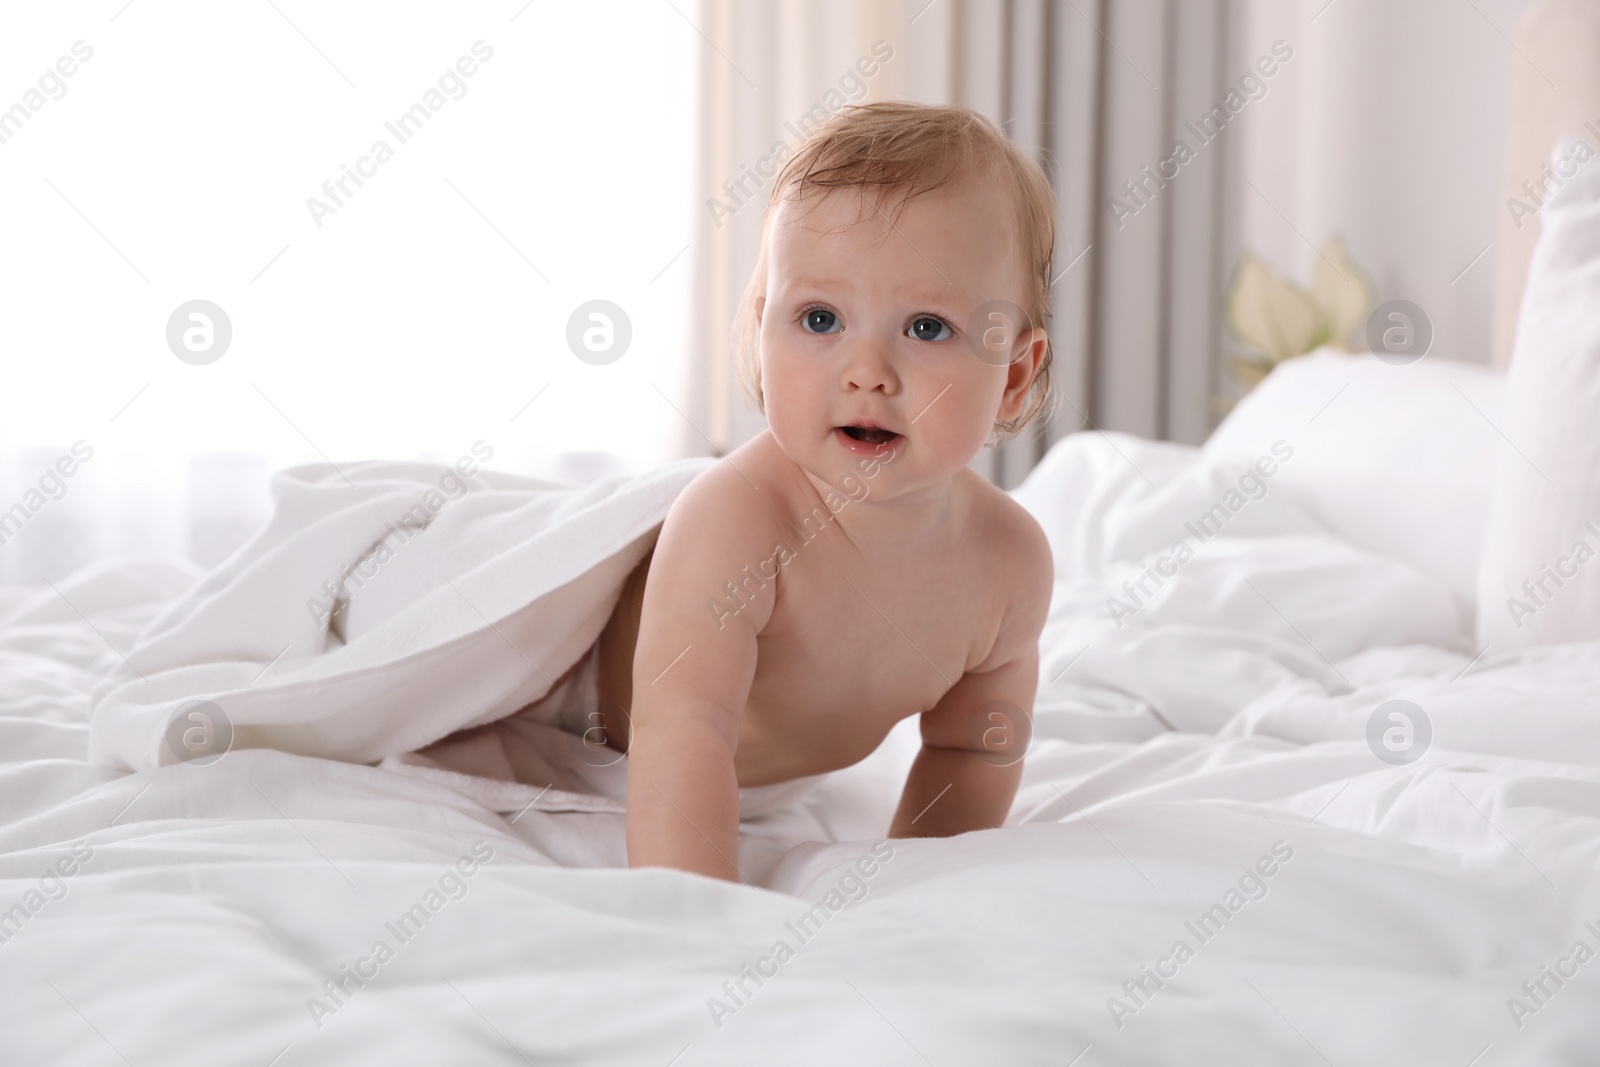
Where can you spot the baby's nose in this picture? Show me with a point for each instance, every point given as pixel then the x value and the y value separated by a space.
pixel 870 366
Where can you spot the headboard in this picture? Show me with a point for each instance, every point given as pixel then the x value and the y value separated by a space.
pixel 1555 90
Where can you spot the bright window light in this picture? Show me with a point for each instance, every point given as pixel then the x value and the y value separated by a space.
pixel 398 208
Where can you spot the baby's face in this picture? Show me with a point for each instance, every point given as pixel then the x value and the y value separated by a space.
pixel 864 332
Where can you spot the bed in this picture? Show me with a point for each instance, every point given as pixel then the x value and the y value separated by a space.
pixel 1282 805
pixel 1211 853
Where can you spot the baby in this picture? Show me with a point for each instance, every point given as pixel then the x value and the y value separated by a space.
pixel 844 569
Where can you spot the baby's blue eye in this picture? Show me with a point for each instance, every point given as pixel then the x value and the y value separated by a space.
pixel 928 328
pixel 820 320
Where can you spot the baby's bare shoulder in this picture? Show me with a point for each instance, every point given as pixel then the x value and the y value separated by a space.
pixel 721 522
pixel 1007 532
pixel 733 500
pixel 1016 556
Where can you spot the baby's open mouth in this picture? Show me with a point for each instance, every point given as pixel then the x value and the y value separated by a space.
pixel 870 435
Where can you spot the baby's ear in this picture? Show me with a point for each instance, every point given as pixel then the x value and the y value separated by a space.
pixel 1021 373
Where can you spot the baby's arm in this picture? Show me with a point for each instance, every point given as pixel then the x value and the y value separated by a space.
pixel 973 740
pixel 692 671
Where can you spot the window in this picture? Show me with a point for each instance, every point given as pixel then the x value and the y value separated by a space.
pixel 398 210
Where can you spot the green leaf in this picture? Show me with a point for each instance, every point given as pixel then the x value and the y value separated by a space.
pixel 1342 290
pixel 1271 314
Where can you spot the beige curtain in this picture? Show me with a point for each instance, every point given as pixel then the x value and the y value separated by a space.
pixel 1097 90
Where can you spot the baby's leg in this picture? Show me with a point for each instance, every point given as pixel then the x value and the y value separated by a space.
pixel 617 642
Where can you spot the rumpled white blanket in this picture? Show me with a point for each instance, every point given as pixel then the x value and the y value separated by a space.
pixel 385 606
pixel 1189 585
pixel 1421 901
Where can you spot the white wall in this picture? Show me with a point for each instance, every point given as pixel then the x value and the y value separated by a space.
pixel 1390 126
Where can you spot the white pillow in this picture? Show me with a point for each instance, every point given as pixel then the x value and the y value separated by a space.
pixel 1395 459
pixel 1539 581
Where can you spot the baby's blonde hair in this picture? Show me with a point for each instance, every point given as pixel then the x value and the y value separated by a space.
pixel 899 145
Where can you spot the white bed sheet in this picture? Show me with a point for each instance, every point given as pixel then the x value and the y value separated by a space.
pixel 1171 755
